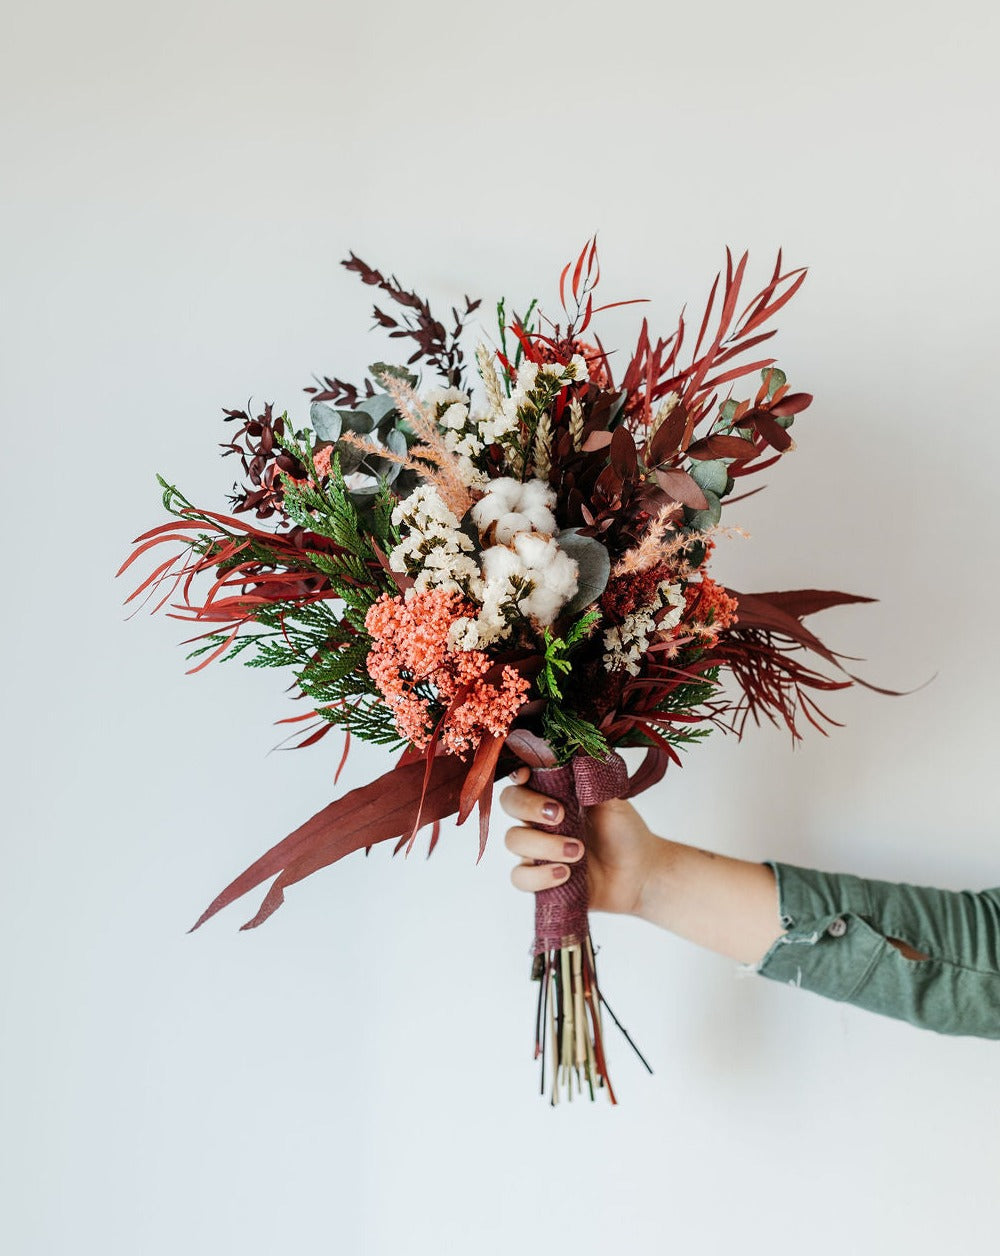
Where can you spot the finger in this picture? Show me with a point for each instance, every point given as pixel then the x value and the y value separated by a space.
pixel 536 877
pixel 527 804
pixel 520 775
pixel 533 844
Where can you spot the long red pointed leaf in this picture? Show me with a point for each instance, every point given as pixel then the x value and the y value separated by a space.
pixel 799 602
pixel 383 809
pixel 480 775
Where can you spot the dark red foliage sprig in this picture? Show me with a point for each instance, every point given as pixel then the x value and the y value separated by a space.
pixel 264 461
pixel 436 346
pixel 251 569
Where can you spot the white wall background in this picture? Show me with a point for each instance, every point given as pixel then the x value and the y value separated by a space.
pixel 178 186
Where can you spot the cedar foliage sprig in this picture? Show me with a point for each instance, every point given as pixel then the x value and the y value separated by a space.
pixel 567 732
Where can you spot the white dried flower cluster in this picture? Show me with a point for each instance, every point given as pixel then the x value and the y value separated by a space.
pixel 501 421
pixel 434 549
pixel 460 432
pixel 627 643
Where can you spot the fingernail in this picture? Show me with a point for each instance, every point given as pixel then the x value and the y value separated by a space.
pixel 559 872
pixel 550 811
pixel 571 849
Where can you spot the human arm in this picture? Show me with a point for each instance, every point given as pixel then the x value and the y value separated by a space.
pixel 927 956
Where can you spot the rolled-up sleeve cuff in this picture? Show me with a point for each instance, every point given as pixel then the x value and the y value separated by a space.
pixel 829 946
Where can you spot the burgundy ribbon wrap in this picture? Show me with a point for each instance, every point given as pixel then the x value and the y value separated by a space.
pixel 561 912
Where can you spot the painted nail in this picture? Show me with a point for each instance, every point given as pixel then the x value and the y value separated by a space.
pixel 571 849
pixel 550 811
pixel 559 872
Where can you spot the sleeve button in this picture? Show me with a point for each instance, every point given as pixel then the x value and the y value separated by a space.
pixel 837 928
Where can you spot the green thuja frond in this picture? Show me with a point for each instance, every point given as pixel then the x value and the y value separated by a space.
pixel 568 735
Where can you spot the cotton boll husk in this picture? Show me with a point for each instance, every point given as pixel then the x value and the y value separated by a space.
pixel 510 525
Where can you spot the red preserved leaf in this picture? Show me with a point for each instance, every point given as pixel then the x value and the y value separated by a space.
pixel 667 437
pixel 480 775
pixel 530 749
pixel 680 486
pixel 623 453
pixel 385 808
pixel 801 602
pixel 721 447
pixel 772 432
pixel 791 403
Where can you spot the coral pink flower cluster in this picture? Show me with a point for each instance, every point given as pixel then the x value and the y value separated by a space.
pixel 416 672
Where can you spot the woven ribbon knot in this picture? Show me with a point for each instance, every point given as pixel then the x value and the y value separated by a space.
pixel 561 912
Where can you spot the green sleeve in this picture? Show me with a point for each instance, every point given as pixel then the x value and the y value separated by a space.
pixel 835 945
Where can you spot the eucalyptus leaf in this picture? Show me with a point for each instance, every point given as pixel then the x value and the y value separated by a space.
pixel 395 442
pixel 391 423
pixel 594 568
pixel 388 468
pixel 778 379
pixel 351 457
pixel 701 520
pixel 727 411
pixel 384 372
pixel 382 467
pixel 357 421
pixel 377 407
pixel 711 475
pixel 326 422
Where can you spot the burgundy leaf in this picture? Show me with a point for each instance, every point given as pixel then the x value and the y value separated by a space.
pixel 772 432
pixel 680 486
pixel 791 403
pixel 720 446
pixel 385 808
pixel 480 776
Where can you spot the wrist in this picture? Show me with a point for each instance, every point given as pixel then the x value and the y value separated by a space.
pixel 655 881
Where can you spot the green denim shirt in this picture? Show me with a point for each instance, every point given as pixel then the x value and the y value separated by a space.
pixel 836 945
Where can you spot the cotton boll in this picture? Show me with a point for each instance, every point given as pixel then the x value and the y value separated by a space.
pixel 509 526
pixel 487 510
pixel 500 563
pixel 515 507
pixel 535 493
pixel 534 550
pixel 535 502
pixel 552 573
pixel 506 491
